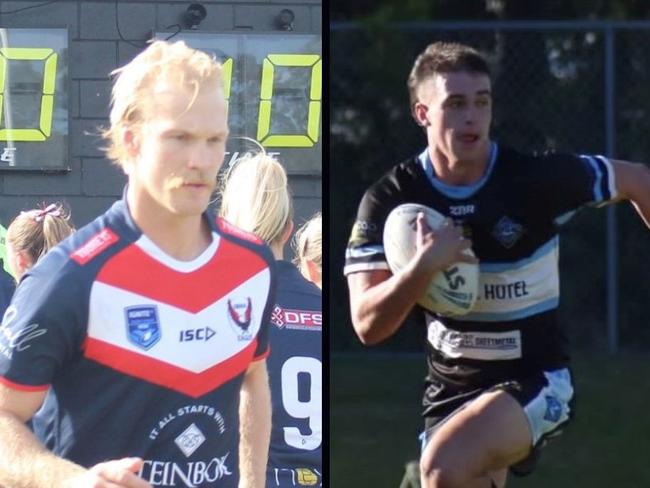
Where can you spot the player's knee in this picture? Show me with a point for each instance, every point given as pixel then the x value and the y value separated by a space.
pixel 435 474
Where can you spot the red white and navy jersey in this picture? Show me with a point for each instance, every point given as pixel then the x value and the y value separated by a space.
pixel 143 355
pixel 295 375
pixel 512 216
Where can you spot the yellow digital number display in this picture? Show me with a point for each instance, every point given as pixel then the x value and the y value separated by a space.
pixel 312 61
pixel 266 94
pixel 273 84
pixel 49 57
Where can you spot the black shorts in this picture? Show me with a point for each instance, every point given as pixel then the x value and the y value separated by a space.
pixel 546 399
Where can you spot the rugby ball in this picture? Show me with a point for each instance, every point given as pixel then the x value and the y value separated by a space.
pixel 452 291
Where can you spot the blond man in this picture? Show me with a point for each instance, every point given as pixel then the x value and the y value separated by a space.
pixel 137 348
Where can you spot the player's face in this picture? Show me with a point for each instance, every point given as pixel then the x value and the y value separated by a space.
pixel 177 152
pixel 456 109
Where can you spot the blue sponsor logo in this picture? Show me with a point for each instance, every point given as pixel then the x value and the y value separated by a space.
pixel 553 409
pixel 142 326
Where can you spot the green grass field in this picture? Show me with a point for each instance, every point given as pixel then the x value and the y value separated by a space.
pixel 375 401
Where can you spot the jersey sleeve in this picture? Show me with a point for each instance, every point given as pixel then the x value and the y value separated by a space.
pixel 365 250
pixel 573 181
pixel 263 348
pixel 38 334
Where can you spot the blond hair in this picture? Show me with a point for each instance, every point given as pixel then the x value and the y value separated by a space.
pixel 308 243
pixel 173 62
pixel 38 230
pixel 255 197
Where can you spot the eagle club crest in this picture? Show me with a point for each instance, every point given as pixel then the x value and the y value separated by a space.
pixel 240 315
pixel 142 326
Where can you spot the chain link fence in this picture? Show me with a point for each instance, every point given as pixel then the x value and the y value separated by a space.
pixel 563 86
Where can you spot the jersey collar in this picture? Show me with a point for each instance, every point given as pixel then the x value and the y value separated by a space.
pixel 457 191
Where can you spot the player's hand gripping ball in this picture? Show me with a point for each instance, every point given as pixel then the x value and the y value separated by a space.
pixel 452 291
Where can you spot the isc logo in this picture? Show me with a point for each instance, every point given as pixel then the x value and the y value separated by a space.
pixel 200 334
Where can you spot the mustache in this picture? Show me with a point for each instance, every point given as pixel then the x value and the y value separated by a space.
pixel 178 181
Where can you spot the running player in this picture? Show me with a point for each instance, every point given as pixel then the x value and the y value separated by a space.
pixel 138 345
pixel 498 381
pixel 256 198
pixel 308 243
pixel 33 233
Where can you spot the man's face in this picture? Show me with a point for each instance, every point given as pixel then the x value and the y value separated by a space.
pixel 456 109
pixel 177 152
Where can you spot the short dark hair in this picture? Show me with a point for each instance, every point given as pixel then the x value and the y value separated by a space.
pixel 444 57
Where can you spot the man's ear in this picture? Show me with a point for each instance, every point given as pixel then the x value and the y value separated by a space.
pixel 131 142
pixel 420 111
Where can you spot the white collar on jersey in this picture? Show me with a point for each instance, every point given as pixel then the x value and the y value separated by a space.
pixel 149 247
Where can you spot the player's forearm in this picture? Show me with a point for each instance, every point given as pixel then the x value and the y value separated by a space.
pixel 25 463
pixel 379 311
pixel 254 428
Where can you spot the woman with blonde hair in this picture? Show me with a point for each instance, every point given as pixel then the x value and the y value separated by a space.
pixel 308 245
pixel 255 197
pixel 33 233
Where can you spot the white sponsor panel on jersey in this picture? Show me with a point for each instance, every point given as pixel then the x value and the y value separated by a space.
pixel 512 291
pixel 488 346
pixel 104 325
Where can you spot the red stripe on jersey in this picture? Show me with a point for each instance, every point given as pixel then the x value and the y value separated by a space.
pixel 133 270
pixel 233 230
pixel 167 375
pixel 21 387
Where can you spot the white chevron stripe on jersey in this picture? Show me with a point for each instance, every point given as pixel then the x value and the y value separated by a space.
pixel 517 290
pixel 192 354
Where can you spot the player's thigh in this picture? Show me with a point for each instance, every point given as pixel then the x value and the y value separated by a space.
pixel 489 434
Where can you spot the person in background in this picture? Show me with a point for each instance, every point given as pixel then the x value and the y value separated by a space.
pixel 255 197
pixel 308 246
pixel 33 233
